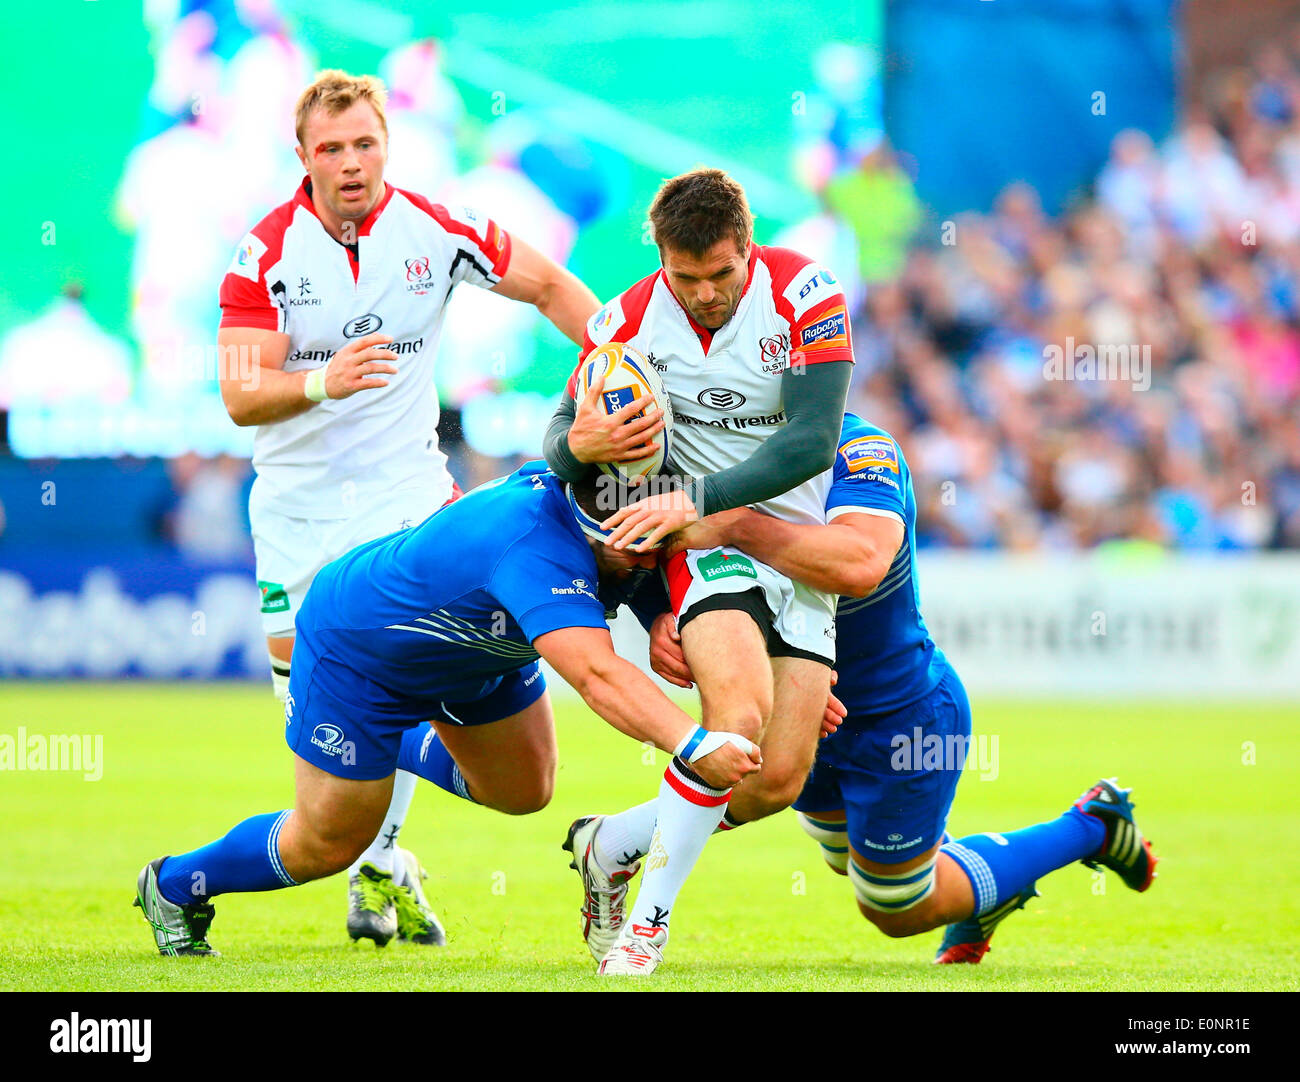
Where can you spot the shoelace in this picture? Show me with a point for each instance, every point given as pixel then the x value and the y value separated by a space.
pixel 409 914
pixel 374 899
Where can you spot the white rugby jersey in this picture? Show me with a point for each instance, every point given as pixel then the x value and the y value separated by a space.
pixel 290 275
pixel 725 385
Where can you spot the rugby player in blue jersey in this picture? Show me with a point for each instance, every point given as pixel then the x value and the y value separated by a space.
pixel 878 797
pixel 443 623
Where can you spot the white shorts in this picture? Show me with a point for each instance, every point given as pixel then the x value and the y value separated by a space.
pixel 801 619
pixel 289 551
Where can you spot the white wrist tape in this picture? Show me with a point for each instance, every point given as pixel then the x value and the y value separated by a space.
pixel 314 388
pixel 700 742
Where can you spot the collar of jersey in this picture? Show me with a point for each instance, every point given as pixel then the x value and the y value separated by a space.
pixel 303 199
pixel 703 333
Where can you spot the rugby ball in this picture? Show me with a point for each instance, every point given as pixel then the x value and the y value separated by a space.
pixel 628 376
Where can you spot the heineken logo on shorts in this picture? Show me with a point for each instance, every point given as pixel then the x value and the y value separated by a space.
pixel 274 599
pixel 720 565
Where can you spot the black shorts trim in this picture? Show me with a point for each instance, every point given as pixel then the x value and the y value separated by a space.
pixel 753 602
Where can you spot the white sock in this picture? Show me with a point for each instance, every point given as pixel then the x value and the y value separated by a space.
pixel 624 837
pixel 279 677
pixel 689 811
pixel 383 849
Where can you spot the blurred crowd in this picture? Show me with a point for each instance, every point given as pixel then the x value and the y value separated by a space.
pixel 1128 372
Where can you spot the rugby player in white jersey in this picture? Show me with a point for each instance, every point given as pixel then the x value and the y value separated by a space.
pixel 337 298
pixel 753 347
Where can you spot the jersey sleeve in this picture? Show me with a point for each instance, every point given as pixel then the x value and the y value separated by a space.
pixel 545 582
pixel 480 248
pixel 867 477
pixel 246 298
pixel 809 297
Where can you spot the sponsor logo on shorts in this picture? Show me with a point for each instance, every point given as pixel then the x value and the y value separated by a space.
pixel 533 679
pixel 720 398
pixel 274 598
pixel 329 738
pixel 891 845
pixel 367 324
pixel 722 565
pixel 874 453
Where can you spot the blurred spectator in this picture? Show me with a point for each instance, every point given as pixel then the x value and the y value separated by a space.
pixel 1126 374
pixel 208 522
pixel 63 357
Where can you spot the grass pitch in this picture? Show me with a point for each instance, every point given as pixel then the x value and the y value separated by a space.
pixel 1215 786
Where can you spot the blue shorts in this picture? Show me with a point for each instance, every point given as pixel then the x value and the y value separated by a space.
pixel 894 775
pixel 360 740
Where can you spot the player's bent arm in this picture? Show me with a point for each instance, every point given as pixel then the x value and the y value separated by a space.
pixel 555 292
pixel 265 393
pixel 626 698
pixel 849 556
pixel 814 397
pixel 254 385
pixel 555 444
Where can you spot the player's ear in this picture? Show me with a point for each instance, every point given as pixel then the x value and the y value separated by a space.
pixel 302 156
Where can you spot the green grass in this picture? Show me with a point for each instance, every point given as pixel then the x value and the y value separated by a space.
pixel 184 763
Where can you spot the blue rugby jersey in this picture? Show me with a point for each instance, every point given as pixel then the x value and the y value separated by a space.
pixel 884 654
pixel 439 611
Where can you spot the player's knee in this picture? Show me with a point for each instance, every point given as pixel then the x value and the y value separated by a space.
pixel 894 902
pixel 746 719
pixel 833 836
pixel 528 798
pixel 776 787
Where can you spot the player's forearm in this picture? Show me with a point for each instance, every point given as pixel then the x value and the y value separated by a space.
pixel 272 396
pixel 814 399
pixel 831 558
pixel 568 304
pixel 626 698
pixel 555 445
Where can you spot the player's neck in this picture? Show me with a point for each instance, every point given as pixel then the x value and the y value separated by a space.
pixel 343 230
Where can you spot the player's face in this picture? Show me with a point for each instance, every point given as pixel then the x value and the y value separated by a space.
pixel 709 287
pixel 344 155
pixel 619 563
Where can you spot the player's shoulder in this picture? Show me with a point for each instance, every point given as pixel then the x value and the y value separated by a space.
pixel 864 446
pixel 620 319
pixel 261 246
pixel 798 280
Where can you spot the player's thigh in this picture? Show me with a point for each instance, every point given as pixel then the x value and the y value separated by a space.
pixel 789 742
pixel 508 761
pixel 800 690
pixel 280 647
pixel 727 652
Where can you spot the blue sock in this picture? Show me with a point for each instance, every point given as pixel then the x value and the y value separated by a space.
pixel 247 859
pixel 424 754
pixel 1000 866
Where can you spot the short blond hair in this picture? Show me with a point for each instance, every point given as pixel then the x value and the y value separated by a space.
pixel 336 91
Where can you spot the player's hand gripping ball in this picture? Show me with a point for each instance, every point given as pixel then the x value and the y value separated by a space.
pixel 628 376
